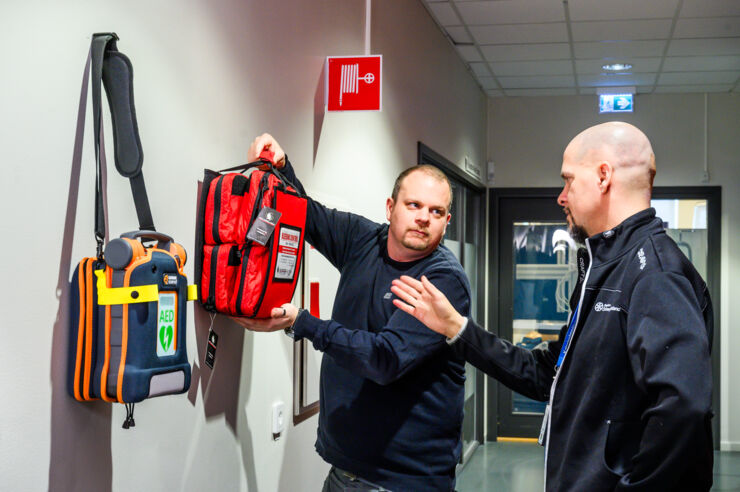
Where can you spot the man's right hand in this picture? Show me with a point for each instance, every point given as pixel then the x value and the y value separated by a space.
pixel 425 302
pixel 266 142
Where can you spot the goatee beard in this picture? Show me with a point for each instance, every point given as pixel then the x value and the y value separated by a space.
pixel 415 246
pixel 578 233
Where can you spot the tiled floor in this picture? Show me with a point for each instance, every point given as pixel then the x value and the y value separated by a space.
pixel 518 467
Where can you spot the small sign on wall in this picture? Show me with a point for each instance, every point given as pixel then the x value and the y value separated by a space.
pixel 616 103
pixel 354 83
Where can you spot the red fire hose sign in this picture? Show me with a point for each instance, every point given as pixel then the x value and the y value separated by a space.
pixel 354 83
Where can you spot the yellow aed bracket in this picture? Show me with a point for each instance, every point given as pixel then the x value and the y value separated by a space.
pixel 131 295
pixel 192 292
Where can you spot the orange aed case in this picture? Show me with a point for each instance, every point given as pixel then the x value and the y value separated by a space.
pixel 127 336
pixel 127 314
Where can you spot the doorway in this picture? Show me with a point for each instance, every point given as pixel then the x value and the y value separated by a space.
pixel 532 272
pixel 465 237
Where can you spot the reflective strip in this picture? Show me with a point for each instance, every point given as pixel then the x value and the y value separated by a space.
pixel 125 295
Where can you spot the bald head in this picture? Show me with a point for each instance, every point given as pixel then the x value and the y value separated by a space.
pixel 608 171
pixel 624 147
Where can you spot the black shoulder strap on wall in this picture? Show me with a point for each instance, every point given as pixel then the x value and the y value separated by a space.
pixel 114 69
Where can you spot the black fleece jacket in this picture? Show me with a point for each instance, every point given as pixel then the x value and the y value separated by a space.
pixel 630 406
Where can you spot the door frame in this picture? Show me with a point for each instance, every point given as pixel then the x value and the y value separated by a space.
pixel 713 196
pixel 426 155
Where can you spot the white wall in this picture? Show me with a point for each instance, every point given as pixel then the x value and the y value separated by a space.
pixel 531 134
pixel 209 76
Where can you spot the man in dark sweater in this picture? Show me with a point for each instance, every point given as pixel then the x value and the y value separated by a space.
pixel 629 381
pixel 391 391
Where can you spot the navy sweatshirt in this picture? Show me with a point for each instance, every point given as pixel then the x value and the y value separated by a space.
pixel 391 391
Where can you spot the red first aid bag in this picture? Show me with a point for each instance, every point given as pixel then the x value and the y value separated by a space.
pixel 249 239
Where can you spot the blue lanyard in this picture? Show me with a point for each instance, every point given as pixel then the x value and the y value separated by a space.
pixel 568 335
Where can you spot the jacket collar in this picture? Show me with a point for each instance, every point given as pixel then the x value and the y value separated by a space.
pixel 613 243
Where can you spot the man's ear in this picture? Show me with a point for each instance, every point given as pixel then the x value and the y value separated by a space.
pixel 606 173
pixel 388 208
pixel 444 231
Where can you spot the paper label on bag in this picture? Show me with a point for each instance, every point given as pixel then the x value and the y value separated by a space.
pixel 263 226
pixel 289 241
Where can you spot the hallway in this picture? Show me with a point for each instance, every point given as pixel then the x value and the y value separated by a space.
pixel 517 467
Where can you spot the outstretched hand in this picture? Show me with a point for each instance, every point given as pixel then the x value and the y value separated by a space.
pixel 425 302
pixel 266 142
pixel 280 319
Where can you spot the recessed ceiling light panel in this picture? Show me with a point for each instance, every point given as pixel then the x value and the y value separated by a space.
pixel 616 67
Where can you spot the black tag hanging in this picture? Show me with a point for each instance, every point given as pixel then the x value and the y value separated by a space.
pixel 211 350
pixel 263 226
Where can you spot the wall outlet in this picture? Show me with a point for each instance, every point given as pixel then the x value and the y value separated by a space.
pixel 278 419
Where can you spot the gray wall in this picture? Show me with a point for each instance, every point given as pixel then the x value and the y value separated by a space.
pixel 209 76
pixel 526 139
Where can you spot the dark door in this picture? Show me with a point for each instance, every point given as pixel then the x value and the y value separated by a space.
pixel 535 261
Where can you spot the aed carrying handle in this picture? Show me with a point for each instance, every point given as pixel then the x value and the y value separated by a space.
pixel 163 240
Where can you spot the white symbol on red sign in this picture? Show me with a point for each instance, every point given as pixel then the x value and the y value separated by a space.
pixel 354 83
pixel 350 80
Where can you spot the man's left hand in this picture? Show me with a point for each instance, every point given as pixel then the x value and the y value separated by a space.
pixel 282 317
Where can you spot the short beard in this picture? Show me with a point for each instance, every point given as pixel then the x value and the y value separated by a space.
pixel 415 246
pixel 578 233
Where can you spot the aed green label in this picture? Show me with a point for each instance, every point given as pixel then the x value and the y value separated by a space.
pixel 167 324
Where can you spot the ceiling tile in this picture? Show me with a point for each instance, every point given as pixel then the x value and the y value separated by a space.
pixel 525 52
pixel 554 67
pixel 717 27
pixel 713 8
pixel 611 80
pixel 621 30
pixel 693 88
pixel 511 12
pixel 618 49
pixel 480 69
pixel 536 82
pixel 639 65
pixel 644 89
pixel 698 47
pixel 445 14
pixel 702 63
pixel 540 92
pixel 581 10
pixel 689 78
pixel 469 53
pixel 458 34
pixel 554 32
pixel 488 83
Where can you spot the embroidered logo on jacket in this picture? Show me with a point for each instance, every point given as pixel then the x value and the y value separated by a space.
pixel 387 295
pixel 600 306
pixel 641 257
